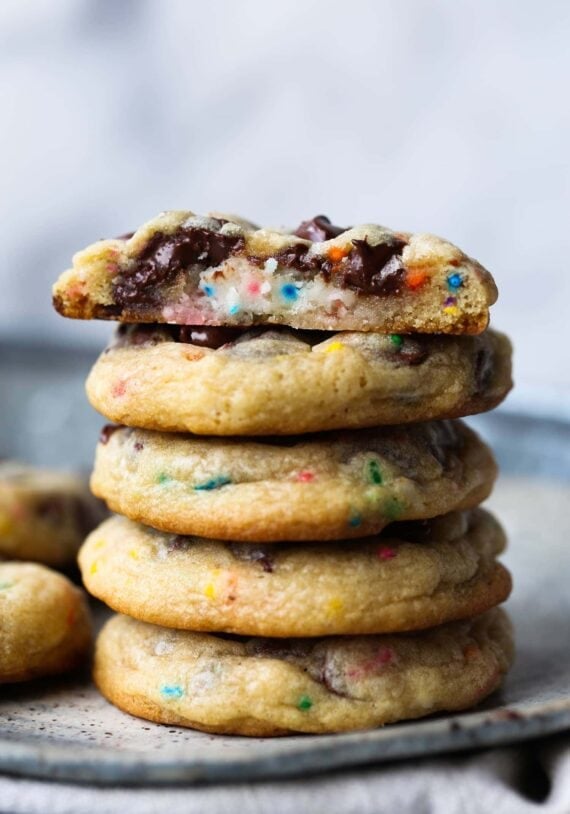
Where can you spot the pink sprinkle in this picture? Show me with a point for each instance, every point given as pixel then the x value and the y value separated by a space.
pixel 386 553
pixel 253 287
pixel 119 388
pixel 306 476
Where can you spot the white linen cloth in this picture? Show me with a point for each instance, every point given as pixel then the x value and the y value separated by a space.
pixel 527 778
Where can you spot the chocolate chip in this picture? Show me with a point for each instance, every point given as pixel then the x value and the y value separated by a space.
pixel 318 229
pixel 250 553
pixel 409 352
pixel 483 370
pixel 373 269
pixel 207 336
pixel 166 255
pixel 107 431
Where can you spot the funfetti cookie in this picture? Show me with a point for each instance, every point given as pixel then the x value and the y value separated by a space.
pixel 225 381
pixel 260 687
pixel 45 625
pixel 415 575
pixel 44 514
pixel 334 485
pixel 187 269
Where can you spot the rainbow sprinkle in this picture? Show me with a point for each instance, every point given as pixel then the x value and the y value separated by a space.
pixel 289 292
pixel 171 691
pixel 355 520
pixel 334 346
pixel 454 281
pixel 374 473
pixel 162 479
pixel 306 476
pixel 396 340
pixel 304 703
pixel 386 553
pixel 233 310
pixel 4 586
pixel 213 483
pixel 208 290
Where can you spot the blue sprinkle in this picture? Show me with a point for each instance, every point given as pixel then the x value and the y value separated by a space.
pixel 289 291
pixel 355 520
pixel 454 281
pixel 213 483
pixel 234 309
pixel 208 290
pixel 171 691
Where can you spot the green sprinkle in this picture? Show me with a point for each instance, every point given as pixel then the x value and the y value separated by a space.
pixel 162 478
pixel 213 483
pixel 304 703
pixel 393 509
pixel 5 585
pixel 396 340
pixel 374 472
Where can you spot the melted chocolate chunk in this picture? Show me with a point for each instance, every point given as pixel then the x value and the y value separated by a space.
pixel 318 229
pixel 483 370
pixel 410 352
pixel 207 336
pixel 107 431
pixel 251 553
pixel 165 255
pixel 374 269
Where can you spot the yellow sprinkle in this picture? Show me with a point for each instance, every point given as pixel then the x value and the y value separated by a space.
pixel 93 568
pixel 451 309
pixel 334 346
pixel 210 591
pixel 99 543
pixel 133 554
pixel 335 605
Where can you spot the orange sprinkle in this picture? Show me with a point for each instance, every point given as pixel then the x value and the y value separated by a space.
pixel 336 253
pixel 471 651
pixel 415 278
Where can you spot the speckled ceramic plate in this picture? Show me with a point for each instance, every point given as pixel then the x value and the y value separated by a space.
pixel 65 730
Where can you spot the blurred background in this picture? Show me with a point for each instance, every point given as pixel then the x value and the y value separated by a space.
pixel 426 115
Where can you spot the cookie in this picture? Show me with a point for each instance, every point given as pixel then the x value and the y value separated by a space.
pixel 262 687
pixel 415 575
pixel 330 486
pixel 192 270
pixel 44 622
pixel 221 381
pixel 44 515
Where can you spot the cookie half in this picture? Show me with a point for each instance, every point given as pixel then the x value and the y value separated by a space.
pixel 273 687
pixel 45 515
pixel 225 382
pixel 44 622
pixel 331 486
pixel 415 575
pixel 192 270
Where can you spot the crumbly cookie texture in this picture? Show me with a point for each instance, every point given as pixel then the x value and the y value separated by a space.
pixel 263 381
pixel 45 515
pixel 416 575
pixel 329 486
pixel 44 623
pixel 189 269
pixel 266 687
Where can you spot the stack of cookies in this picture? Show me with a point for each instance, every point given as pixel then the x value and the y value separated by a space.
pixel 299 545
